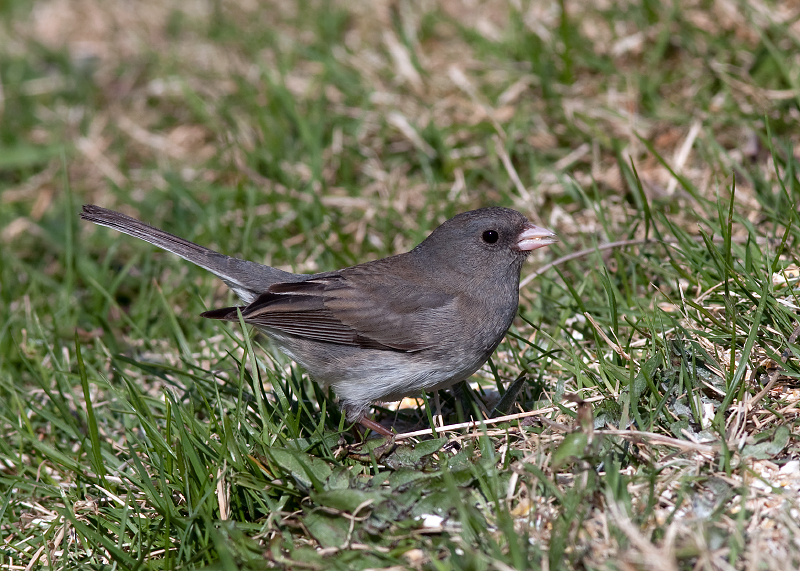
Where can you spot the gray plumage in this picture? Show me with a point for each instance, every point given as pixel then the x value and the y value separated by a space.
pixel 382 330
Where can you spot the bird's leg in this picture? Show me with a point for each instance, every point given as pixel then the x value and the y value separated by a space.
pixel 438 419
pixel 355 450
pixel 375 427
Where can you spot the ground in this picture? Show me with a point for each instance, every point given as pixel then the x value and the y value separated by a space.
pixel 656 420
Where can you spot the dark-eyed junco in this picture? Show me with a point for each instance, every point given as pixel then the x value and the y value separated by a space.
pixel 382 330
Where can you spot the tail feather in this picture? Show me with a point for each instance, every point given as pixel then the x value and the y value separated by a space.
pixel 247 279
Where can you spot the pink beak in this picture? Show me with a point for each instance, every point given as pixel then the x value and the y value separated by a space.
pixel 534 237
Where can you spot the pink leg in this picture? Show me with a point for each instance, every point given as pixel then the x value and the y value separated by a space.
pixel 375 427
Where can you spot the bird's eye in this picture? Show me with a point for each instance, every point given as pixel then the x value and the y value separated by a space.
pixel 490 236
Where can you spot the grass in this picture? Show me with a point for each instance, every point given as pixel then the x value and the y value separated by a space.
pixel 314 135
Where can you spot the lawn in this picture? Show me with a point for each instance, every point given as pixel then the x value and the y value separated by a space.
pixel 648 391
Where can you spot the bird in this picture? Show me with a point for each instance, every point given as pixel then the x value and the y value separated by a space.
pixel 386 329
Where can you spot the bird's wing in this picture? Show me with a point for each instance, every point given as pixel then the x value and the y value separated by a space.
pixel 357 307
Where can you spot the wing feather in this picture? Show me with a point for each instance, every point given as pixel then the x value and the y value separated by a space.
pixel 363 306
